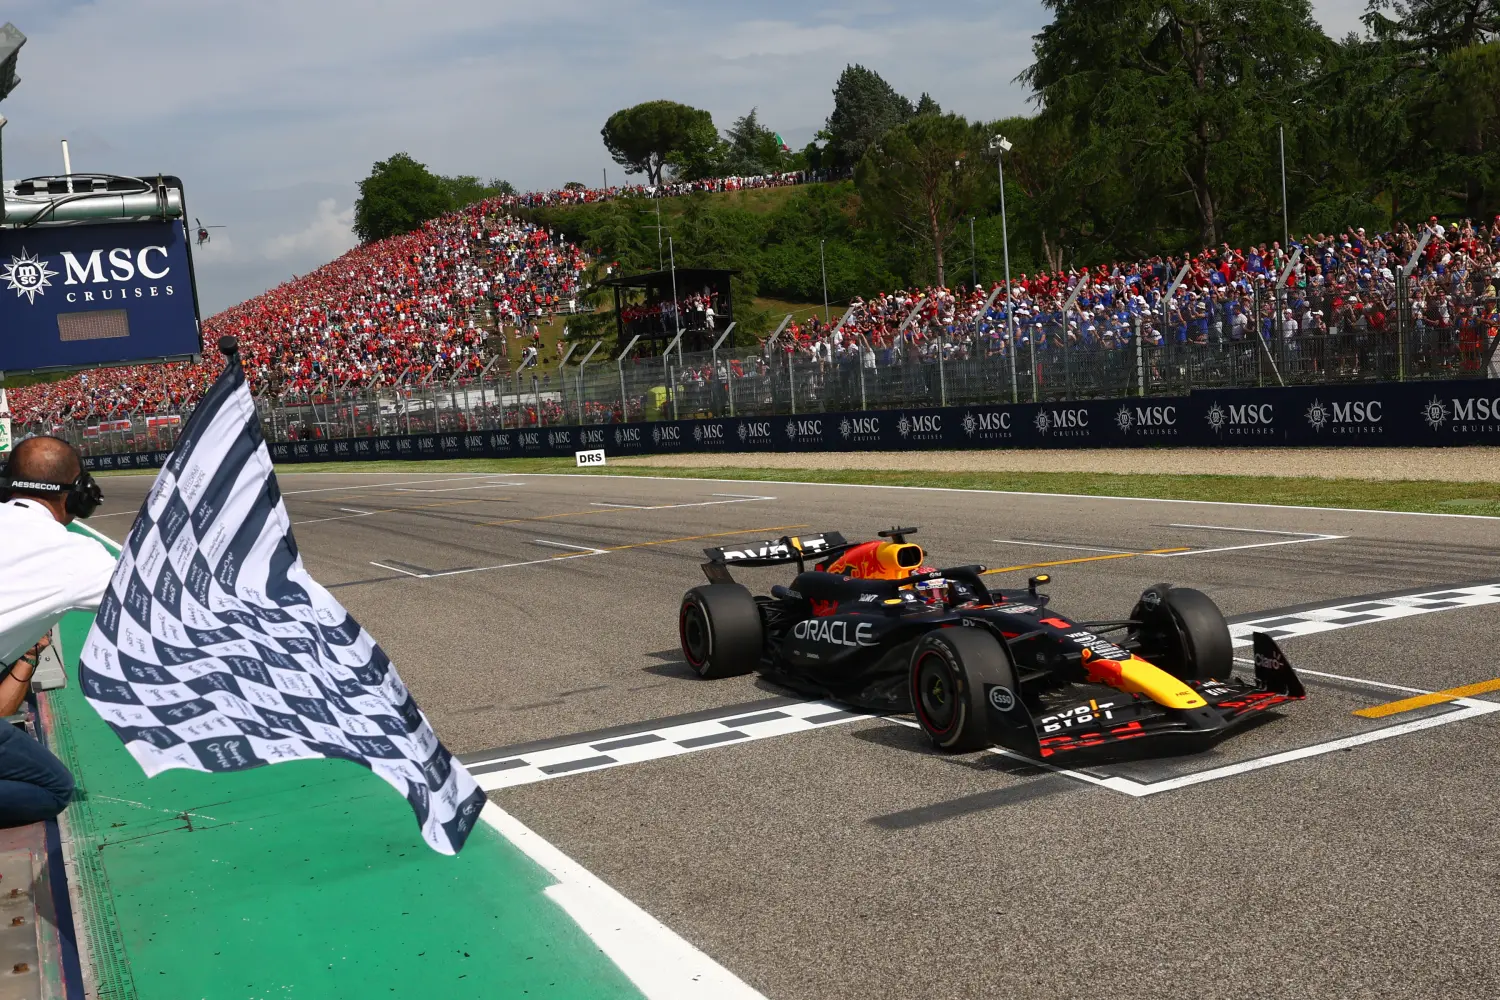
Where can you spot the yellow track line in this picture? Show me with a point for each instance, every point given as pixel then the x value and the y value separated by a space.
pixel 1423 700
pixel 1085 559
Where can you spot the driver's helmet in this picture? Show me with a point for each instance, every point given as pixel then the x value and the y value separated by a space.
pixel 933 592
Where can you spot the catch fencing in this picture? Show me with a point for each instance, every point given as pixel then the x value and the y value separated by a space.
pixel 1396 414
pixel 976 370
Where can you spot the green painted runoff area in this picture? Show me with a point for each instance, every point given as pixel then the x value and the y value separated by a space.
pixel 305 879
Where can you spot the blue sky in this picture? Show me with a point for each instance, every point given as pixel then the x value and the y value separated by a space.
pixel 271 110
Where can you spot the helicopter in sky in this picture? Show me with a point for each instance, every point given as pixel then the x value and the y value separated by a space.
pixel 203 231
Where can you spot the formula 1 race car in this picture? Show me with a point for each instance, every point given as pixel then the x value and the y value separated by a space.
pixel 871 625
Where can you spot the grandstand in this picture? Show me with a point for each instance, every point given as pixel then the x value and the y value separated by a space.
pixel 416 309
pixel 412 308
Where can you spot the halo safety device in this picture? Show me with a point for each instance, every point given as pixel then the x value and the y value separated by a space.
pixel 81 497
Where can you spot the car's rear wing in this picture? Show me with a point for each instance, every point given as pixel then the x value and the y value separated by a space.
pixel 771 552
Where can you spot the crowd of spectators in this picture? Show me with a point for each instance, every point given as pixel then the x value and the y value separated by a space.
pixel 577 194
pixel 694 311
pixel 401 310
pixel 1340 291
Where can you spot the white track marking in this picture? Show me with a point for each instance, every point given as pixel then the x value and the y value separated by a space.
pixel 1359 680
pixel 485 569
pixel 671 506
pixel 1055 545
pixel 340 517
pixel 469 477
pixel 1298 538
pixel 600 753
pixel 398 569
pixel 458 489
pixel 1471 709
pixel 1012 493
pixel 1249 531
pixel 565 545
pixel 661 964
pixel 356 510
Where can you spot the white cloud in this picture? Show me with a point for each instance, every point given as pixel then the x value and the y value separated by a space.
pixel 326 236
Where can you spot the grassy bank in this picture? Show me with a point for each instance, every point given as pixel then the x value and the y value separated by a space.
pixel 1427 496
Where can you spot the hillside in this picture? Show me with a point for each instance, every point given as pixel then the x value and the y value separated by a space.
pixel 772 237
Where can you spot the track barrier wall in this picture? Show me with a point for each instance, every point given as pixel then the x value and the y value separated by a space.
pixel 1395 414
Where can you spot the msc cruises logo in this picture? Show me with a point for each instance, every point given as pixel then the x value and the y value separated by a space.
pixel 28 275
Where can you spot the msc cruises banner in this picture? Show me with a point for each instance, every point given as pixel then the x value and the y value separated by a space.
pixel 80 296
pixel 1410 414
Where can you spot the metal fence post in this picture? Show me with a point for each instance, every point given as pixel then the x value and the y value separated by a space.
pixel 620 364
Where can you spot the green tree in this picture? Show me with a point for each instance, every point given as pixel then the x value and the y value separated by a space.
pixel 466 189
pixel 1418 99
pixel 865 107
pixel 923 179
pixel 1181 96
pixel 399 195
pixel 645 138
pixel 751 148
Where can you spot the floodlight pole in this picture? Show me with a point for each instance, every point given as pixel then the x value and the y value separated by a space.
pixel 1001 145
pixel 823 263
pixel 973 257
pixel 620 364
pixel 676 307
pixel 1286 225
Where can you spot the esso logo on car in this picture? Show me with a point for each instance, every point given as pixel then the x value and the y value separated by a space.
pixel 591 457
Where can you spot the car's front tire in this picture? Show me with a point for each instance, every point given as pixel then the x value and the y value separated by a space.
pixel 1183 631
pixel 951 672
pixel 720 629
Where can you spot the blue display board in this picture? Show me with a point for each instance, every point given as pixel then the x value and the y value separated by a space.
pixel 100 294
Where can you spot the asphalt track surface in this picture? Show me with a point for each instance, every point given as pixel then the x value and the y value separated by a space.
pixel 851 860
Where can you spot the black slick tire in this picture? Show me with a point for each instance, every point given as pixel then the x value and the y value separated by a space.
pixel 720 629
pixel 951 670
pixel 1186 634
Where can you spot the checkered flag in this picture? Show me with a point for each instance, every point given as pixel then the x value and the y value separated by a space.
pixel 215 650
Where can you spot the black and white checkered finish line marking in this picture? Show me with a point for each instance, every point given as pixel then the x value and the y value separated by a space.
pixel 653 744
pixel 1362 612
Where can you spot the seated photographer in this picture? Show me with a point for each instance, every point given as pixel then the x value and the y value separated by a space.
pixel 45 572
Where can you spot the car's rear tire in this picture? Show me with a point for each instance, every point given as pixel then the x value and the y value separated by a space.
pixel 719 625
pixel 951 670
pixel 1184 632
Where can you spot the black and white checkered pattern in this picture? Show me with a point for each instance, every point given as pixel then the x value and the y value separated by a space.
pixel 214 649
pixel 1366 611
pixel 506 771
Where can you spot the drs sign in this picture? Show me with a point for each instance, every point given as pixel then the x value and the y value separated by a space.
pixel 109 293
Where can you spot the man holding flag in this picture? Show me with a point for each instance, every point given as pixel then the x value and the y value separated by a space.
pixel 215 650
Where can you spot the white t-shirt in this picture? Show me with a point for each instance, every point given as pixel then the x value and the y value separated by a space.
pixel 45 572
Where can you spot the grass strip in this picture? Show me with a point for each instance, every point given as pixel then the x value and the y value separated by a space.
pixel 1420 495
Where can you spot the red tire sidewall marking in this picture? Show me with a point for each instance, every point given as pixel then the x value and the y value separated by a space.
pixel 916 692
pixel 687 607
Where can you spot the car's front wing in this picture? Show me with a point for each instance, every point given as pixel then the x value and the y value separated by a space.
pixel 1115 726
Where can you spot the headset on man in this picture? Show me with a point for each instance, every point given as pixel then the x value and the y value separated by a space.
pixel 82 496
